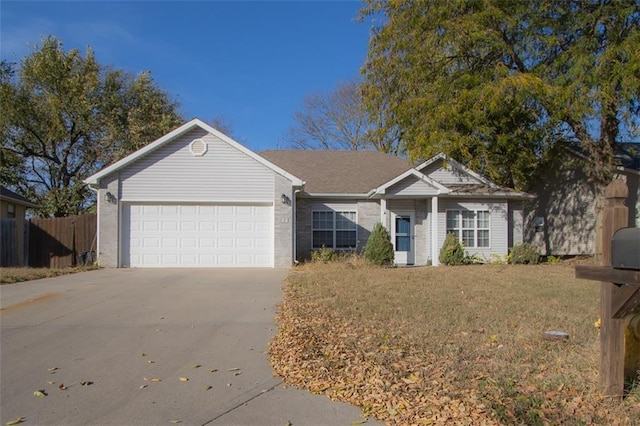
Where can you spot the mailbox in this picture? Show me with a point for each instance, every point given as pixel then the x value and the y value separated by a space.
pixel 625 249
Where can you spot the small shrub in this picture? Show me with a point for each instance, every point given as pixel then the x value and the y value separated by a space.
pixel 553 260
pixel 379 249
pixel 452 251
pixel 324 255
pixel 524 253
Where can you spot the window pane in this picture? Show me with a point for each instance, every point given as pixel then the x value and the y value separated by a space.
pixel 452 219
pixel 403 225
pixel 322 238
pixel 468 238
pixel 403 243
pixel 483 238
pixel 345 220
pixel 483 219
pixel 345 239
pixel 468 219
pixel 322 220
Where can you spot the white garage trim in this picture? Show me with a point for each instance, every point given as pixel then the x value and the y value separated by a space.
pixel 197 235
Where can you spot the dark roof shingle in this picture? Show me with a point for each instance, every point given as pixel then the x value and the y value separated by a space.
pixel 339 172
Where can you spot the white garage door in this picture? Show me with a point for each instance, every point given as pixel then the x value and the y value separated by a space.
pixel 198 236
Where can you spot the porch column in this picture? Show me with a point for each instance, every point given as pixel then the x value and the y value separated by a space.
pixel 435 251
pixel 383 212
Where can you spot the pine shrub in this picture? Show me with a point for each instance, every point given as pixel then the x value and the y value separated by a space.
pixel 379 249
pixel 452 251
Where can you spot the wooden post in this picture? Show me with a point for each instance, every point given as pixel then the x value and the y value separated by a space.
pixel 612 329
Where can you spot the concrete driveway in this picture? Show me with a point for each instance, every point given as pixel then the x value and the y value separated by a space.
pixel 120 340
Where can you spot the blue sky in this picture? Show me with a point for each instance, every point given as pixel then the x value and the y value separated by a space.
pixel 249 62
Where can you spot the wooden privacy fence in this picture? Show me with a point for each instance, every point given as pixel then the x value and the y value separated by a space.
pixel 61 242
pixel 8 243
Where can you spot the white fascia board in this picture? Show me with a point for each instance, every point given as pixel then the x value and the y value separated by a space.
pixel 456 164
pixel 508 195
pixel 333 195
pixel 441 189
pixel 93 180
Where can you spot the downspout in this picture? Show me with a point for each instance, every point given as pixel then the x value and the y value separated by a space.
pixel 97 239
pixel 293 219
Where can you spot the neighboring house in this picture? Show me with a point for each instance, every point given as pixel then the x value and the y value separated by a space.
pixel 13 208
pixel 196 198
pixel 563 218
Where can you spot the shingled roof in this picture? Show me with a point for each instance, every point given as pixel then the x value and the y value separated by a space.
pixel 339 172
pixel 7 195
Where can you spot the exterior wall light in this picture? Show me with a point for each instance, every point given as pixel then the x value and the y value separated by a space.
pixel 285 200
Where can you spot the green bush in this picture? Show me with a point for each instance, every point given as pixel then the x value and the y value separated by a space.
pixel 324 255
pixel 379 249
pixel 452 251
pixel 524 253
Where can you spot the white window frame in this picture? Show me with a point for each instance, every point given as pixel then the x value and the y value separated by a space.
pixel 460 228
pixel 334 229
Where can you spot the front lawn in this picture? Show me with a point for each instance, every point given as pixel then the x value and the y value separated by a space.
pixel 437 345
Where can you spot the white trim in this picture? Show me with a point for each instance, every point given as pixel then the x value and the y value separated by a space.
pixel 94 179
pixel 459 166
pixel 383 212
pixel 333 195
pixel 440 189
pixel 199 201
pixel 475 228
pixel 435 250
pixel 411 253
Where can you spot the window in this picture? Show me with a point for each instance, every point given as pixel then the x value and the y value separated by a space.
pixel 470 227
pixel 11 211
pixel 334 229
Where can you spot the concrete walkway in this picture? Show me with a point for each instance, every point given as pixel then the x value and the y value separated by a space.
pixel 119 342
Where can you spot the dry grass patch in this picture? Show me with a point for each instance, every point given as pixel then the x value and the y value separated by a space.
pixel 433 345
pixel 16 275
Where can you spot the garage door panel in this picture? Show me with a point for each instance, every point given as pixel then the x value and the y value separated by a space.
pixel 198 236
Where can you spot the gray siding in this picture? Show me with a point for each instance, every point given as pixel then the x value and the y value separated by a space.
pixel 411 186
pixel 568 204
pixel 173 173
pixel 499 224
pixel 449 175
pixel 516 223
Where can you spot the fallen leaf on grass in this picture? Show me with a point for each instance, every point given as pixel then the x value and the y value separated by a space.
pixel 359 422
pixel 155 380
pixel 40 393
pixel 143 354
pixel 143 386
pixel 208 387
pixel 175 422
pixel 86 383
pixel 62 386
pixel 196 366
pixel 151 361
pixel 233 369
pixel 51 383
pixel 213 370
pixel 15 421
pixel 184 379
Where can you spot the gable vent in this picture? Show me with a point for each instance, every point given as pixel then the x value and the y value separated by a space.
pixel 198 147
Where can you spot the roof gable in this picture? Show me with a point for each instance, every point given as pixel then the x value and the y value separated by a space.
pixel 169 137
pixel 448 171
pixel 411 182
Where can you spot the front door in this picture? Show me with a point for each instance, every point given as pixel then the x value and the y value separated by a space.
pixel 403 238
